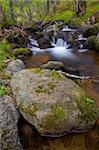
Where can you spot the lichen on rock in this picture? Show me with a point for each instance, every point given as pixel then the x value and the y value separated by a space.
pixel 53 103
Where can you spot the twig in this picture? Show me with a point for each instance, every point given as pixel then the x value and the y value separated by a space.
pixel 72 76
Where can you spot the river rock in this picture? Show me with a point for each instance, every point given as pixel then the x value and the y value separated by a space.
pixel 90 42
pixel 52 103
pixel 15 66
pixel 21 52
pixel 93 30
pixel 97 44
pixel 95 17
pixel 44 43
pixel 9 139
pixel 57 65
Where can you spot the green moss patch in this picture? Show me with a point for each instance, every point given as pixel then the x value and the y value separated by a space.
pixel 54 118
pixel 21 51
pixel 37 70
pixel 85 104
pixel 3 90
pixel 29 109
pixel 55 75
pixel 45 88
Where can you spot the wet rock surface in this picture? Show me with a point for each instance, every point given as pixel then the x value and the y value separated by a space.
pixel 9 139
pixel 53 103
pixel 92 30
pixel 44 43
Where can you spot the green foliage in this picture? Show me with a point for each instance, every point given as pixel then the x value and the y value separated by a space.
pixel 89 101
pixel 3 90
pixel 5 53
pixel 7 21
pixel 90 10
pixel 25 11
pixel 53 119
pixel 66 16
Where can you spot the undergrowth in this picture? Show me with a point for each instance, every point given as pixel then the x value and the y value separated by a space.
pixel 5 53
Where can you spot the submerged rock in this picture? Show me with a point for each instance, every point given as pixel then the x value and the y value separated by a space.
pixel 53 103
pixel 9 139
pixel 15 66
pixel 53 65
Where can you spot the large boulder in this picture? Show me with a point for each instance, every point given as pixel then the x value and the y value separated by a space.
pixel 15 66
pixel 53 103
pixel 9 139
pixel 93 30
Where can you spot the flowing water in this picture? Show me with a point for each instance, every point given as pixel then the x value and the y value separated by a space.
pixel 77 61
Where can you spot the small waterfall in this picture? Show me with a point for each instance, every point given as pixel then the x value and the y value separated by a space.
pixel 34 42
pixel 67 29
pixel 81 38
pixel 60 42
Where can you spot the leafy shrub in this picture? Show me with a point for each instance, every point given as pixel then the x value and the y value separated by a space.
pixel 5 53
pixel 3 90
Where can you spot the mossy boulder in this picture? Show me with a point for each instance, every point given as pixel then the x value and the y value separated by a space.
pixel 22 51
pixel 93 30
pixel 90 42
pixel 52 103
pixel 97 44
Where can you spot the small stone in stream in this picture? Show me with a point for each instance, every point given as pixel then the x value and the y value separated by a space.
pixel 57 65
pixel 15 66
pixel 53 103
pixel 9 139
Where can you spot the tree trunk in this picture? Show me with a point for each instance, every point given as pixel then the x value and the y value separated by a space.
pixel 47 7
pixel 81 7
pixel 11 9
pixel 1 14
